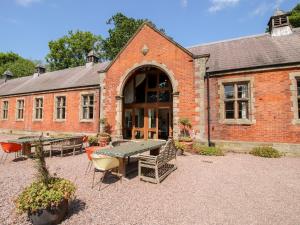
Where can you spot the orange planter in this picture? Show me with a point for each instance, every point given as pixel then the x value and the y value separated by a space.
pixel 10 147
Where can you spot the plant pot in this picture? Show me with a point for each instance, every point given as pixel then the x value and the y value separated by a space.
pixel 188 145
pixel 179 152
pixel 104 141
pixel 50 216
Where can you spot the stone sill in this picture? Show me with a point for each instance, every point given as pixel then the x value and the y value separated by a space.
pixel 237 122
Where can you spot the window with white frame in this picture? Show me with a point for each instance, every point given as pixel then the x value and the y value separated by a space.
pixel 5 110
pixel 20 109
pixel 60 107
pixel 38 108
pixel 87 106
pixel 236 100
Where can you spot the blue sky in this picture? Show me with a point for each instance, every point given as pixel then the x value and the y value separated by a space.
pixel 28 25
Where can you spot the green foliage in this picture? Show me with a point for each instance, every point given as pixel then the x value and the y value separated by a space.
pixel 267 152
pixel 47 191
pixel 16 64
pixel 205 150
pixel 185 139
pixel 295 16
pixel 123 29
pixel 39 196
pixel 71 50
pixel 93 140
pixel 185 122
pixel 179 146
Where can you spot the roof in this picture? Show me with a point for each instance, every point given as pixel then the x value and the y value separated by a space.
pixel 81 76
pixel 253 51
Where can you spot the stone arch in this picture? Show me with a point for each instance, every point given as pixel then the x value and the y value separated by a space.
pixel 135 67
pixel 121 86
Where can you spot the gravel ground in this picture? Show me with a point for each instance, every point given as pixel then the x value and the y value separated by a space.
pixel 234 189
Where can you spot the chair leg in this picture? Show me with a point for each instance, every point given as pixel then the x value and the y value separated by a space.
pixel 50 153
pixel 61 153
pixel 5 158
pixel 2 157
pixel 88 167
pixel 102 179
pixel 93 178
pixel 156 175
pixel 139 169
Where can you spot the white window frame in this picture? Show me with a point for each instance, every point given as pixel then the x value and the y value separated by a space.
pixel 35 108
pixel 2 109
pixel 82 95
pixel 17 109
pixel 56 98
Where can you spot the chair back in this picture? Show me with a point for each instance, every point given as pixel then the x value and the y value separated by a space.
pixel 103 162
pixel 167 152
pixel 10 147
pixel 89 151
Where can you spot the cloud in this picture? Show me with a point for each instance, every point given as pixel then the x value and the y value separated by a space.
pixel 184 3
pixel 265 7
pixel 218 5
pixel 26 3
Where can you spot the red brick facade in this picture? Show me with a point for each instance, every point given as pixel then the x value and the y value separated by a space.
pixel 72 123
pixel 272 110
pixel 271 100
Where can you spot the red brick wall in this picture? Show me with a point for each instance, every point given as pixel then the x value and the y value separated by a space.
pixel 161 51
pixel 71 124
pixel 272 111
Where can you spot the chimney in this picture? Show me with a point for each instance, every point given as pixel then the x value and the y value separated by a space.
pixel 91 59
pixel 7 75
pixel 279 24
pixel 39 69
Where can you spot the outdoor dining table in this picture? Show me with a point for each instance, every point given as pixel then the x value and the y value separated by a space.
pixel 128 149
pixel 27 143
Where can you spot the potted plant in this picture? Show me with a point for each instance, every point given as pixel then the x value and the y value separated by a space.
pixel 45 200
pixel 93 141
pixel 179 148
pixel 185 137
pixel 104 137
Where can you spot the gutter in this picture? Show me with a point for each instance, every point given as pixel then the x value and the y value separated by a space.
pixel 208 109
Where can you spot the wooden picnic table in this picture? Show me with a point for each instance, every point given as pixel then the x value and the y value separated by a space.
pixel 28 142
pixel 129 149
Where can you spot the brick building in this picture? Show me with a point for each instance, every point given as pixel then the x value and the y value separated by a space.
pixel 237 93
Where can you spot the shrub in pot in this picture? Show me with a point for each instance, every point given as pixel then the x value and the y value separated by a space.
pixel 104 139
pixel 93 141
pixel 179 147
pixel 46 200
pixel 185 138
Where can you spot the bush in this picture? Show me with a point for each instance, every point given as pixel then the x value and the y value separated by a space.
pixel 205 150
pixel 179 146
pixel 39 196
pixel 93 140
pixel 267 152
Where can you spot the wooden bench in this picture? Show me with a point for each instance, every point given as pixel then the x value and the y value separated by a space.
pixel 72 144
pixel 156 168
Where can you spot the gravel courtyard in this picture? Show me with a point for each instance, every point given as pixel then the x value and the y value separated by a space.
pixel 234 189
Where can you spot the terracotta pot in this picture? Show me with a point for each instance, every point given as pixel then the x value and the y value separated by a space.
pixel 188 145
pixel 50 217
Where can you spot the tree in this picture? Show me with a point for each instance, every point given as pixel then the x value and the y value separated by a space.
pixel 71 50
pixel 295 16
pixel 16 64
pixel 123 29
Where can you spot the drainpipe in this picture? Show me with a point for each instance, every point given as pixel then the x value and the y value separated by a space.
pixel 208 109
pixel 99 107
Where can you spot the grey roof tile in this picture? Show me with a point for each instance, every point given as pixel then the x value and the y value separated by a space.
pixel 252 51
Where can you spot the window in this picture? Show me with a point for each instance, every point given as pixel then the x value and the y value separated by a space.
pixel 38 108
pixel 298 97
pixel 236 101
pixel 60 107
pixel 87 107
pixel 20 109
pixel 5 110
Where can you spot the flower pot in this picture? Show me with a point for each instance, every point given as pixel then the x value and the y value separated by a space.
pixel 188 145
pixel 104 141
pixel 50 216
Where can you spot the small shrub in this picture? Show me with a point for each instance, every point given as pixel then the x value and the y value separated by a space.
pixel 205 150
pixel 40 196
pixel 179 146
pixel 267 152
pixel 185 139
pixel 93 140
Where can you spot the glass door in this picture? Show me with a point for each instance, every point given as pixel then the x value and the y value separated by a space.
pixel 164 122
pixel 152 123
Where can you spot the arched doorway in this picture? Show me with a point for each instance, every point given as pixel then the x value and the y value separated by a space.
pixel 147 105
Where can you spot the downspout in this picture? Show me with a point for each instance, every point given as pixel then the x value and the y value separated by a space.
pixel 99 108
pixel 208 109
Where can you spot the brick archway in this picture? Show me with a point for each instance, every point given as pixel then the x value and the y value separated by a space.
pixel 121 86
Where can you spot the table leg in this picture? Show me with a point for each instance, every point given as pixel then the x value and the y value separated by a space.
pixel 26 149
pixel 122 167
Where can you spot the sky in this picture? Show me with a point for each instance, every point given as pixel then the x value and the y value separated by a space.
pixel 28 25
